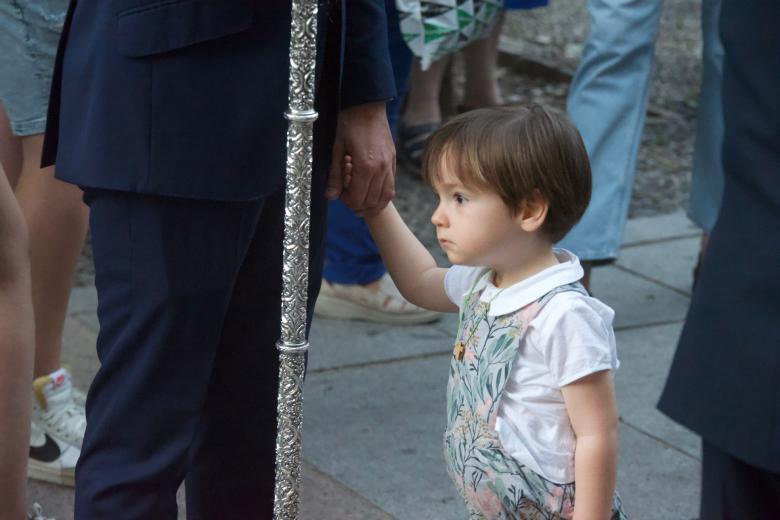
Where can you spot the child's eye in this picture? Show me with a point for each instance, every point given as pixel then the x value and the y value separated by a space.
pixel 458 198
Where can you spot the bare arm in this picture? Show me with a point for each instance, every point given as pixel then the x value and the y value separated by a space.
pixel 590 402
pixel 410 264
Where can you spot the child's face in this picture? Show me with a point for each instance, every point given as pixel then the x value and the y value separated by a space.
pixel 474 226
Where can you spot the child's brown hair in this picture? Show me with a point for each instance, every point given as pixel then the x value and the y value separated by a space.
pixel 519 153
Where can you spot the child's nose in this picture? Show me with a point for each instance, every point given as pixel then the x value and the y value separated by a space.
pixel 438 218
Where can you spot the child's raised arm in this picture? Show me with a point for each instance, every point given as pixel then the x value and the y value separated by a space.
pixel 410 264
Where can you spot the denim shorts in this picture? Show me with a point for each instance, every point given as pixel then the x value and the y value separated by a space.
pixel 29 34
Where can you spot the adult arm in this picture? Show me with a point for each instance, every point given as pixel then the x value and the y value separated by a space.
pixel 363 131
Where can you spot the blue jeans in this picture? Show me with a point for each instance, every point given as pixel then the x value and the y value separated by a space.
pixel 351 256
pixel 607 102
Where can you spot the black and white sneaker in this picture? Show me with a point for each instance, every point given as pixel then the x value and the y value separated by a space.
pixel 57 430
pixel 51 460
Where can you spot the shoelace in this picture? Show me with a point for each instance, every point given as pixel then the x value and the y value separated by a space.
pixel 37 513
pixel 79 397
pixel 70 421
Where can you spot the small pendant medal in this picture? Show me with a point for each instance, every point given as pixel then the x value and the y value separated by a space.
pixel 460 350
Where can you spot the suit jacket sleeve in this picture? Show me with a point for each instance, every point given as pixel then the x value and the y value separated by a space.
pixel 368 73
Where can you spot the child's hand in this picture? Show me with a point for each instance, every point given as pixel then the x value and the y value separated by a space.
pixel 346 171
pixel 346 176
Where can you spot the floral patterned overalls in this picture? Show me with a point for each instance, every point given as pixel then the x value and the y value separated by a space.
pixel 493 484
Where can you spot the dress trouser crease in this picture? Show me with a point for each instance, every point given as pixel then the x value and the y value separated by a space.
pixel 189 308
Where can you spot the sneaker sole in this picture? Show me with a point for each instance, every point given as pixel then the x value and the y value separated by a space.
pixel 340 309
pixel 45 472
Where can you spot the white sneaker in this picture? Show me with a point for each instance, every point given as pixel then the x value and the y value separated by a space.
pixel 57 430
pixel 51 460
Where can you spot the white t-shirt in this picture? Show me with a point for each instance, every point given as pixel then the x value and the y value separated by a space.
pixel 570 338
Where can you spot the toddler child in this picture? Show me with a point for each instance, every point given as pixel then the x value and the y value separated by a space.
pixel 530 399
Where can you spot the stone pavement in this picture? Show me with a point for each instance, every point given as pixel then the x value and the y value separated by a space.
pixel 374 398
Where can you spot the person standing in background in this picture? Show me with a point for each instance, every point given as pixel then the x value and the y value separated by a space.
pixel 724 382
pixel 17 344
pixel 608 101
pixel 422 113
pixel 16 356
pixel 56 221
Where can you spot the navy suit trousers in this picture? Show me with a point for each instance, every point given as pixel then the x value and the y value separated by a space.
pixel 189 308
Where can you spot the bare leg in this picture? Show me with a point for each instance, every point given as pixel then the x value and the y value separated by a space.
pixel 10 150
pixel 481 89
pixel 57 223
pixel 422 101
pixel 16 356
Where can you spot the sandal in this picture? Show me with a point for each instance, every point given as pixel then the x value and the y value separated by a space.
pixel 412 141
pixel 384 304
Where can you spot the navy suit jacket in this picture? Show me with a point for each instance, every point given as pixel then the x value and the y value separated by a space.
pixel 187 97
pixel 724 382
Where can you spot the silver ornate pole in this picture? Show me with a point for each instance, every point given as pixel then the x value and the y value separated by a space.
pixel 295 271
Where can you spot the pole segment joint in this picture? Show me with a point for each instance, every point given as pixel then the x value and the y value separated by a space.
pixel 301 116
pixel 292 348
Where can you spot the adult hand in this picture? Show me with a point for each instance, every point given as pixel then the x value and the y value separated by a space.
pixel 364 135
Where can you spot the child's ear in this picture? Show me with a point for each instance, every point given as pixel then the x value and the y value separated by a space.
pixel 532 212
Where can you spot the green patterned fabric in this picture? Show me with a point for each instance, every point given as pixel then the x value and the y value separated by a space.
pixel 493 484
pixel 435 28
